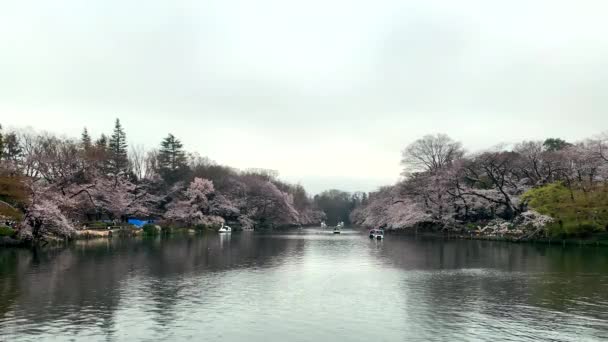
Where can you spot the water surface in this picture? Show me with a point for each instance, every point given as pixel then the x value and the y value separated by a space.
pixel 308 285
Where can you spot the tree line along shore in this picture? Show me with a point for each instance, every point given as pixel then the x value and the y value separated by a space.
pixel 54 187
pixel 533 190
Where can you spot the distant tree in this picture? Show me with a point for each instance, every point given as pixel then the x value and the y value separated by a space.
pixel 599 145
pixel 57 160
pixel 172 160
pixel 495 171
pixel 119 197
pixel 336 204
pixel 117 148
pixel 265 203
pixel 85 140
pixel 137 161
pixel 357 198
pixel 603 146
pixel 194 207
pixel 300 197
pixel 387 208
pixel 555 144
pixel 102 142
pixel 12 148
pixel 151 165
pixel 13 195
pixel 266 174
pixel 537 163
pixel 98 155
pixel 1 143
pixel 222 176
pixel 430 153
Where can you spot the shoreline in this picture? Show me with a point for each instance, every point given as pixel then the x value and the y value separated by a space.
pixel 84 235
pixel 597 240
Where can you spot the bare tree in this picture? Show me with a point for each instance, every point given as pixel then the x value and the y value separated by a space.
pixel 600 145
pixel 537 163
pixel 137 160
pixel 151 165
pixel 494 171
pixel 430 153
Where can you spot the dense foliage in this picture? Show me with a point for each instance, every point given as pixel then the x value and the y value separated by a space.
pixel 445 188
pixel 337 204
pixel 577 212
pixel 52 186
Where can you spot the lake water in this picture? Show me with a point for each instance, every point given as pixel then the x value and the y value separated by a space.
pixel 308 285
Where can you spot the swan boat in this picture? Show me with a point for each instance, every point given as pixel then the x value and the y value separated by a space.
pixel 224 229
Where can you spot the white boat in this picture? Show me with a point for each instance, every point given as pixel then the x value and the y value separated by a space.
pixel 336 230
pixel 224 229
pixel 377 234
pixel 323 224
pixel 340 225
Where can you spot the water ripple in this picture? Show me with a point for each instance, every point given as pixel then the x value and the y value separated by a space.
pixel 305 286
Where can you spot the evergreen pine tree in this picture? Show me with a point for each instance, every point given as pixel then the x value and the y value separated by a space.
pixel 555 144
pixel 11 147
pixel 85 140
pixel 171 159
pixel 117 149
pixel 100 153
pixel 101 144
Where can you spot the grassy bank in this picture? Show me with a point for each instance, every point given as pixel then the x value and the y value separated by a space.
pixel 579 213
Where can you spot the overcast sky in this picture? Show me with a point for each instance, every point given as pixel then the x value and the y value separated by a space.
pixel 326 92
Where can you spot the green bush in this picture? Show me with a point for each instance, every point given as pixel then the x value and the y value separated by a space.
pixel 98 225
pixel 150 229
pixel 471 226
pixel 576 212
pixel 7 231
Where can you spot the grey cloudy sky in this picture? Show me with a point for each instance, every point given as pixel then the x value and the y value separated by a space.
pixel 325 92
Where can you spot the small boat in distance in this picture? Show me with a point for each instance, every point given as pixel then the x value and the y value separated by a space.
pixel 323 224
pixel 377 234
pixel 224 229
pixel 339 226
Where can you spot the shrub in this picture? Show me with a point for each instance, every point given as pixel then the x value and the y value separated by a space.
pixel 200 227
pixel 576 213
pixel 7 231
pixel 98 225
pixel 471 226
pixel 150 229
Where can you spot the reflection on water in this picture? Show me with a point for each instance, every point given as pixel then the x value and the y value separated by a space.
pixel 308 285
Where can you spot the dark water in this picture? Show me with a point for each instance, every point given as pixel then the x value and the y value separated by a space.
pixel 304 286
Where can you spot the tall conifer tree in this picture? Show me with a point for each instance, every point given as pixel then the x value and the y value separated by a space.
pixel 171 158
pixel 85 140
pixel 117 148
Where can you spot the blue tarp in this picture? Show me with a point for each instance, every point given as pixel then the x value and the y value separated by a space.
pixel 139 223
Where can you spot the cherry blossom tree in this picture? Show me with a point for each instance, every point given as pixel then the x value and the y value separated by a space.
pixel 193 207
pixel 388 208
pixel 48 213
pixel 266 204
